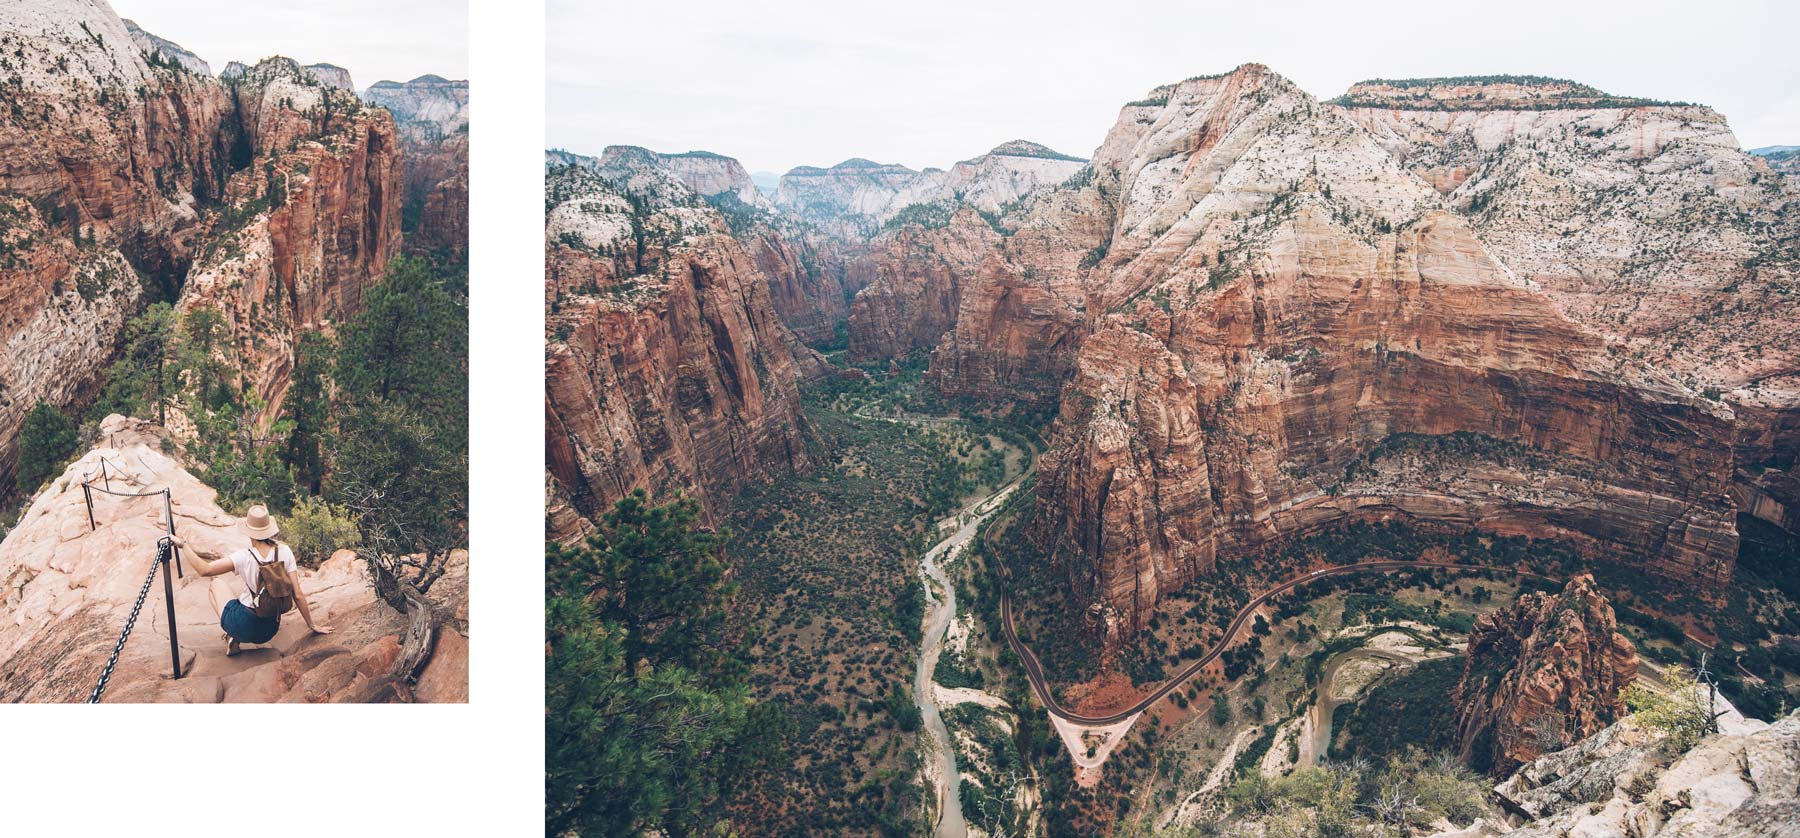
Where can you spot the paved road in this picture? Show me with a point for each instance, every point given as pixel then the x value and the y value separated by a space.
pixel 1035 672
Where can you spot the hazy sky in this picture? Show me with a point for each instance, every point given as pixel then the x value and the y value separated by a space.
pixel 780 84
pixel 374 39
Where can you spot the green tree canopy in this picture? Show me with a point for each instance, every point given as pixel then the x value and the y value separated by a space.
pixel 638 740
pixel 45 443
pixel 398 457
pixel 140 380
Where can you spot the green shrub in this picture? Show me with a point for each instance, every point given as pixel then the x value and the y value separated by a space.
pixel 316 529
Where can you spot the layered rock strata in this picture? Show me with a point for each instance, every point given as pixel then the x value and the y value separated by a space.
pixel 432 114
pixel 1549 671
pixel 1278 303
pixel 667 367
pixel 808 279
pixel 127 174
pixel 858 198
pixel 305 228
pixel 106 163
pixel 1743 782
pixel 1643 221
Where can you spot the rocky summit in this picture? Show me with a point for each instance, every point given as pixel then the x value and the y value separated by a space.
pixel 1546 672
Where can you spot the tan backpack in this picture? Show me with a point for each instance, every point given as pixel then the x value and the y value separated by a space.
pixel 274 594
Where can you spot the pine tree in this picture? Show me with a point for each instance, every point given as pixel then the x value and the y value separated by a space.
pixel 399 454
pixel 45 442
pixel 139 382
pixel 648 721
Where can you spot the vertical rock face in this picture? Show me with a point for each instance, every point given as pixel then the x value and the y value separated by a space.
pixel 1285 327
pixel 1641 220
pixel 105 162
pixel 667 368
pixel 941 234
pixel 1541 675
pixel 805 267
pixel 809 283
pixel 911 279
pixel 126 172
pixel 307 226
pixel 432 114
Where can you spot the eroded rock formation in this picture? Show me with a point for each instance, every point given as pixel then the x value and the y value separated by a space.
pixel 667 367
pixel 1277 301
pixel 1548 671
pixel 69 588
pixel 128 175
pixel 1741 783
pixel 432 114
pixel 1640 220
pixel 305 228
pixel 106 164
pixel 911 280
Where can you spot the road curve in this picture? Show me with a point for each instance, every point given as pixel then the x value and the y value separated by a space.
pixel 1035 673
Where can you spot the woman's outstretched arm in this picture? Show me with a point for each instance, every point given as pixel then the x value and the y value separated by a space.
pixel 203 563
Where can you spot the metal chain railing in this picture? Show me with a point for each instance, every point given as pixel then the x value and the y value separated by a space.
pixel 166 553
pixel 162 555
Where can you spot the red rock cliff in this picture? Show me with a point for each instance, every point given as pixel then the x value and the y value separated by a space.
pixel 667 368
pixel 1288 329
pixel 1543 674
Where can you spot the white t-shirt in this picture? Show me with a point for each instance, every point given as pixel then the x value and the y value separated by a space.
pixel 244 562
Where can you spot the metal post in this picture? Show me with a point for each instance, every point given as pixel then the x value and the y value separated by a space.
pixel 169 516
pixel 87 492
pixel 169 597
pixel 103 473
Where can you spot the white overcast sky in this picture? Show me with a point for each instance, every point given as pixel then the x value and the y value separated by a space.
pixel 374 39
pixel 780 84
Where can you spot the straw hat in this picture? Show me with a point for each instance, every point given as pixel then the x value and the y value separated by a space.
pixel 259 524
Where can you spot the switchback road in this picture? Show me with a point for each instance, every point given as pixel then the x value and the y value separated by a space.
pixel 1035 672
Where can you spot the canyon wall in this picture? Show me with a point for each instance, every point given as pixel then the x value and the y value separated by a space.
pixel 1641 220
pixel 667 368
pixel 805 266
pixel 305 228
pixel 106 164
pixel 126 176
pixel 432 115
pixel 1288 328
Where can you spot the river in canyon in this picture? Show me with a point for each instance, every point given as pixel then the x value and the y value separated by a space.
pixel 940 604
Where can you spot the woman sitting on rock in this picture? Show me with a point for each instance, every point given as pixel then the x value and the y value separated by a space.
pixel 271 583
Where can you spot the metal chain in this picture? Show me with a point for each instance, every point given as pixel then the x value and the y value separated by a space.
pixel 162 555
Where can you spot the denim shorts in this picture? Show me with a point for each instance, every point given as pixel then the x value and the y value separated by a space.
pixel 245 627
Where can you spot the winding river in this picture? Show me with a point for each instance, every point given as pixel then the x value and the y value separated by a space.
pixel 940 611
